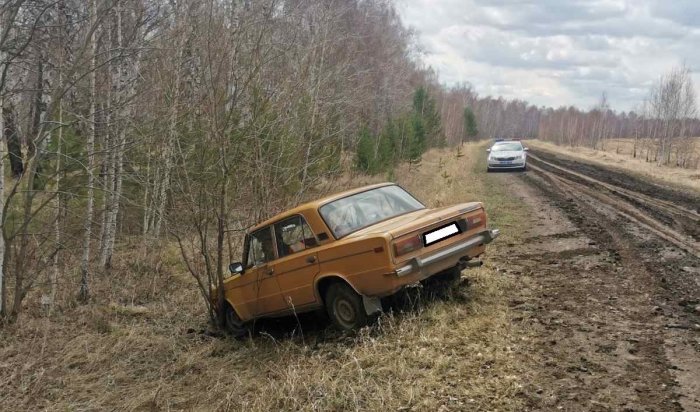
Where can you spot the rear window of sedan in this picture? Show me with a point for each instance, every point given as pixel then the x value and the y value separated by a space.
pixel 355 212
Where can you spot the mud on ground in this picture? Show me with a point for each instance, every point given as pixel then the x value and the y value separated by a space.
pixel 607 308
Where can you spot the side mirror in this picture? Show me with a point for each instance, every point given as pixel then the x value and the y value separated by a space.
pixel 525 149
pixel 488 150
pixel 236 268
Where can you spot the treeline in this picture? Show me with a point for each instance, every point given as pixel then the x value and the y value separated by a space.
pixel 495 117
pixel 663 127
pixel 186 119
pixel 462 116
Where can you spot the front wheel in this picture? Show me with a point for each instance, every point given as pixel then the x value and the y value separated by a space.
pixel 233 324
pixel 345 307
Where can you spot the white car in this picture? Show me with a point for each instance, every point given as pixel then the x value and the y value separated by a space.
pixel 507 154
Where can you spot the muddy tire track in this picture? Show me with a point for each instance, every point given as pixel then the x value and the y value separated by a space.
pixel 677 223
pixel 607 301
pixel 675 196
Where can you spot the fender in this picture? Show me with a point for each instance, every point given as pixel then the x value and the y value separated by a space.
pixel 323 276
pixel 372 305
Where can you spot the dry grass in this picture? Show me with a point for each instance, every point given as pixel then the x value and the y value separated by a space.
pixel 618 153
pixel 144 343
pixel 690 147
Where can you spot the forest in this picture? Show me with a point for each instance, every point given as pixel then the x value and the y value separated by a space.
pixel 136 122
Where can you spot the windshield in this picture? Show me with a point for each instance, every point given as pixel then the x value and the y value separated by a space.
pixel 352 213
pixel 507 147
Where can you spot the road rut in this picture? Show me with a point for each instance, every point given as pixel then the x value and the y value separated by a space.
pixel 607 306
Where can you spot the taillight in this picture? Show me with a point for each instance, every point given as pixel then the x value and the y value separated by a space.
pixel 477 221
pixel 407 245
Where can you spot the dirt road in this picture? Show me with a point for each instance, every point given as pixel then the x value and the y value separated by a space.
pixel 610 275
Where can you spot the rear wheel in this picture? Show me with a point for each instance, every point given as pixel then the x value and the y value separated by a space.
pixel 344 307
pixel 233 324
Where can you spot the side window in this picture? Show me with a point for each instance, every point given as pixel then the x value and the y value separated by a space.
pixel 293 235
pixel 260 247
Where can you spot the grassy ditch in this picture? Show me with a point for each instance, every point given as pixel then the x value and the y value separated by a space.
pixel 146 345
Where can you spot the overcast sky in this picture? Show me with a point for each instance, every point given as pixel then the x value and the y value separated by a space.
pixel 557 52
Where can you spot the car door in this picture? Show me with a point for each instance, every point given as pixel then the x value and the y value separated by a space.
pixel 262 295
pixel 297 265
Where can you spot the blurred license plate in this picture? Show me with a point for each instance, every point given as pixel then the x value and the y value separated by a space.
pixel 439 234
pixel 506 162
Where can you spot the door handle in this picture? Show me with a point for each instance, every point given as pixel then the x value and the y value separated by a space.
pixel 311 259
pixel 269 271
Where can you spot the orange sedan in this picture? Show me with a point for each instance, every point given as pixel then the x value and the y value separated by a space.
pixel 347 251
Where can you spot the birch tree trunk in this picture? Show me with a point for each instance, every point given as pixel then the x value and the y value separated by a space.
pixel 123 98
pixel 312 126
pixel 3 290
pixel 53 280
pixel 39 141
pixel 4 32
pixel 164 186
pixel 84 293
pixel 108 145
pixel 113 178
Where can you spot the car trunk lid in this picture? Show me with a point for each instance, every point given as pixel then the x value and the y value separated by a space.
pixel 415 221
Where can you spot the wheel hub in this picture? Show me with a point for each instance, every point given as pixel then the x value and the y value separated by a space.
pixel 345 311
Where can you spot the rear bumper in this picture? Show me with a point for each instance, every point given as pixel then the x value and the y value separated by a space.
pixel 426 265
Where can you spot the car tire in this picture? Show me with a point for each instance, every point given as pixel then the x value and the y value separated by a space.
pixel 488 170
pixel 345 307
pixel 525 168
pixel 233 324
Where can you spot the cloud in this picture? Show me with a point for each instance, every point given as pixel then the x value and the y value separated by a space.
pixel 554 52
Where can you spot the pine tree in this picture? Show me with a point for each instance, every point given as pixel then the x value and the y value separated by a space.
pixel 470 124
pixel 386 151
pixel 425 107
pixel 364 155
pixel 418 138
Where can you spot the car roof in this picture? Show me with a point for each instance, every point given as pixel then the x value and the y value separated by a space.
pixel 315 204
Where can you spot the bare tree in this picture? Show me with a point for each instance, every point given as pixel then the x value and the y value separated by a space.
pixel 84 292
